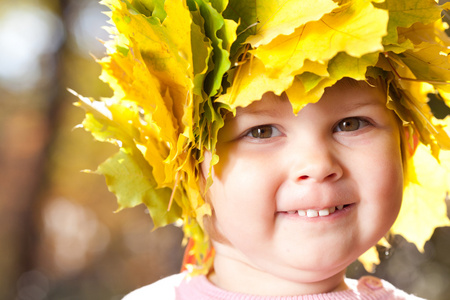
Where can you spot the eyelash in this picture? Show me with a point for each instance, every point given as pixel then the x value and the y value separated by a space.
pixel 361 123
pixel 261 129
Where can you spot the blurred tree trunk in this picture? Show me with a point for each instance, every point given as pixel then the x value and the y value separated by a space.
pixel 26 130
pixel 22 153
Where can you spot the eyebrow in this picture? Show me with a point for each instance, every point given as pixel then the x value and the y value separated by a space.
pixel 261 110
pixel 372 101
pixel 258 112
pixel 360 104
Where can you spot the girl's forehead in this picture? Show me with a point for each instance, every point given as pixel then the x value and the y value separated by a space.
pixel 348 89
pixel 348 92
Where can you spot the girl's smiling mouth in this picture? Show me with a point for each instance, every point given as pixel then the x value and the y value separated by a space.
pixel 312 213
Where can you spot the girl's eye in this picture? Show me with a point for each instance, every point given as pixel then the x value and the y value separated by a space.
pixel 351 124
pixel 263 132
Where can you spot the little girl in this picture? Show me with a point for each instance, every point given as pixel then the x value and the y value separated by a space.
pixel 281 134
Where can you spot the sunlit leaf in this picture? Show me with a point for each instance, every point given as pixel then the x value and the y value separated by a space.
pixel 356 28
pixel 153 8
pixel 251 82
pixel 282 17
pixel 307 89
pixel 370 259
pixel 423 206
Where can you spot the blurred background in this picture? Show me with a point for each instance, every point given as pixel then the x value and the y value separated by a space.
pixel 59 235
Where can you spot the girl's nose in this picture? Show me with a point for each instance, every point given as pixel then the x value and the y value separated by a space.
pixel 315 163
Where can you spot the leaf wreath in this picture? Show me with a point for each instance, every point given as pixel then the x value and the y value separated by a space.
pixel 178 66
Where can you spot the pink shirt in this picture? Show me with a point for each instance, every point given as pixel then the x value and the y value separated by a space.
pixel 178 287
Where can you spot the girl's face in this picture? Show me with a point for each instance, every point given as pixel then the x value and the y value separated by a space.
pixel 298 198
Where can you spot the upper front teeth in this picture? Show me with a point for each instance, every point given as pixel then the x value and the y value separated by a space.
pixel 324 212
pixel 312 213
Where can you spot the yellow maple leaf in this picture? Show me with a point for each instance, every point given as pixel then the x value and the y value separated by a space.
pixel 300 95
pixel 423 207
pixel 370 259
pixel 357 28
pixel 251 81
pixel 284 16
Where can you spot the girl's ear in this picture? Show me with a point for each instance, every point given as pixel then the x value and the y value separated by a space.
pixel 412 139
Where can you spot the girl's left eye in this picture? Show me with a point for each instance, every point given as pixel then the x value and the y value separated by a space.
pixel 263 132
pixel 351 124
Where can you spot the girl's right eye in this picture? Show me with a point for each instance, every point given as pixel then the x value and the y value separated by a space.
pixel 263 132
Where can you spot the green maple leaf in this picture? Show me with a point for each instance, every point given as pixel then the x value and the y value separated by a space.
pixel 404 13
pixel 130 178
pixel 220 63
pixel 344 65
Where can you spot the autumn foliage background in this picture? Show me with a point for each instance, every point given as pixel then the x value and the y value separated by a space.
pixel 59 235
